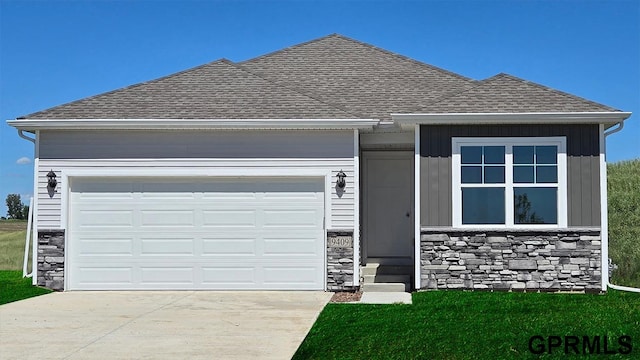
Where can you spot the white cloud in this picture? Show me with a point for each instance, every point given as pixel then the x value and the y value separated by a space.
pixel 23 161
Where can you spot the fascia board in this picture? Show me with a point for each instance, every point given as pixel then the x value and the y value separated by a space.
pixel 220 124
pixel 409 120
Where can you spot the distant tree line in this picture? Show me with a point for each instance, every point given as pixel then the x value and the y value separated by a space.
pixel 15 208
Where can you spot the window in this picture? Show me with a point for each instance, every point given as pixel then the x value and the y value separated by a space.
pixel 509 182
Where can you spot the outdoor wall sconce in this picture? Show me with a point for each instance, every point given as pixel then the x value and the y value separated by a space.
pixel 341 183
pixel 51 180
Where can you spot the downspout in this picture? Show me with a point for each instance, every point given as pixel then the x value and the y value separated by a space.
pixel 30 223
pixel 22 135
pixel 609 284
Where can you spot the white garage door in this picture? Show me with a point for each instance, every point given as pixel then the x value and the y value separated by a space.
pixel 232 233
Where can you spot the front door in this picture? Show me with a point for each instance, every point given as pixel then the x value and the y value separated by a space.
pixel 388 207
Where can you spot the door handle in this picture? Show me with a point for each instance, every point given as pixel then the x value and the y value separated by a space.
pixel 408 214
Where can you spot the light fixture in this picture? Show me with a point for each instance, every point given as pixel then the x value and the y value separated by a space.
pixel 341 181
pixel 51 180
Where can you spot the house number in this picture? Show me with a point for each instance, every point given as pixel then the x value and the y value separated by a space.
pixel 340 241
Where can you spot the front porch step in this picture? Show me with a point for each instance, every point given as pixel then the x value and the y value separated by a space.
pixel 370 279
pixel 378 277
pixel 385 287
pixel 377 269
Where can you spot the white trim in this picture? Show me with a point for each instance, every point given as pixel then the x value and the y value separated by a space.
pixel 605 117
pixel 83 124
pixel 356 208
pixel 64 200
pixel 604 214
pixel 509 142
pixel 416 205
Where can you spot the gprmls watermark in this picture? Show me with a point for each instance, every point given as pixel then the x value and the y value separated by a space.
pixel 580 345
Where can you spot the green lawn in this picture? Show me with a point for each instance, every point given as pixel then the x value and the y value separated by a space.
pixel 624 221
pixel 14 287
pixel 12 235
pixel 473 325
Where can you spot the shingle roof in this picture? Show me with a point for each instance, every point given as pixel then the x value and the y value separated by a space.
pixel 356 76
pixel 332 77
pixel 505 93
pixel 220 90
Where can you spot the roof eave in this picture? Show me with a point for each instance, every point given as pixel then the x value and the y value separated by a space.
pixel 608 118
pixel 214 124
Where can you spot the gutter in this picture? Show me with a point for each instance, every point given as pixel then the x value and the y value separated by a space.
pixel 218 124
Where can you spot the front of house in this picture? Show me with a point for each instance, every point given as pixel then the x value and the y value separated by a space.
pixel 299 169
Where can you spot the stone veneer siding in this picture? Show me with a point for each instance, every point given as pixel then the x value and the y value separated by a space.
pixel 560 260
pixel 51 259
pixel 340 264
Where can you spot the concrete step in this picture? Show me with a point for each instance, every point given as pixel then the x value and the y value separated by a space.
pixel 376 269
pixel 406 261
pixel 370 279
pixel 385 287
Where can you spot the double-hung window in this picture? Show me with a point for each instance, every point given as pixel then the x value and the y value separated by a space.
pixel 509 182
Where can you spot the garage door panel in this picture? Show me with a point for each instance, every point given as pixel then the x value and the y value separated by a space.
pixel 292 218
pixel 196 234
pixel 167 275
pixel 167 217
pixel 100 244
pixel 229 276
pixel 298 246
pixel 231 218
pixel 167 247
pixel 229 246
pixel 99 277
pixel 105 218
pixel 280 275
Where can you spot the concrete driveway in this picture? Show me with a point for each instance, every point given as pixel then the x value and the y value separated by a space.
pixel 158 325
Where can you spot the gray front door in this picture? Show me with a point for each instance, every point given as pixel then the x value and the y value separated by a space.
pixel 388 206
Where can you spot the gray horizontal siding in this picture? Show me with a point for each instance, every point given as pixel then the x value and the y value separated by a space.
pixel 583 170
pixel 158 144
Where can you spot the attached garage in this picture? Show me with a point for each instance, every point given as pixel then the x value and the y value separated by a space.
pixel 195 233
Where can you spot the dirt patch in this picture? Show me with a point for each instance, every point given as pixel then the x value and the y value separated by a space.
pixel 12 225
pixel 342 297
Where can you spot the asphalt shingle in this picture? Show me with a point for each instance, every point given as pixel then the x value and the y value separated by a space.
pixel 505 93
pixel 331 77
pixel 359 77
pixel 218 90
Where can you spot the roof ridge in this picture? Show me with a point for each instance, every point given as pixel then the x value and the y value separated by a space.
pixel 289 48
pixel 295 90
pixel 132 86
pixel 361 43
pixel 547 88
pixel 403 57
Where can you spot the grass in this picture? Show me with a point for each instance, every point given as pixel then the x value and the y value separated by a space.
pixel 14 287
pixel 624 221
pixel 12 235
pixel 471 325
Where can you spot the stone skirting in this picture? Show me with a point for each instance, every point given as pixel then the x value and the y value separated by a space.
pixel 561 260
pixel 340 261
pixel 51 259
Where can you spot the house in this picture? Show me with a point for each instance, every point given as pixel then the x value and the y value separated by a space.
pixel 305 168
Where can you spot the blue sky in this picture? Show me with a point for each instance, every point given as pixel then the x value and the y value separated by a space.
pixel 58 51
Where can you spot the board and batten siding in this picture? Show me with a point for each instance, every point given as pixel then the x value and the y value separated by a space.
pixel 319 150
pixel 583 174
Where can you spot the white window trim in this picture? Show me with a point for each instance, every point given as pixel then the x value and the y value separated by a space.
pixel 509 142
